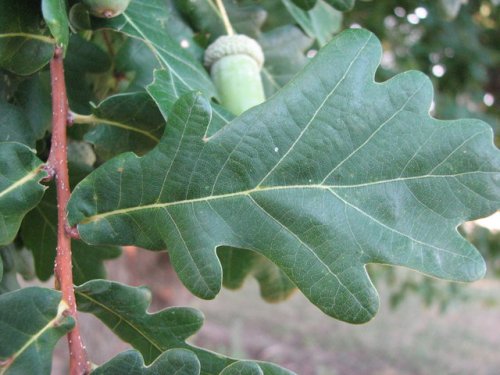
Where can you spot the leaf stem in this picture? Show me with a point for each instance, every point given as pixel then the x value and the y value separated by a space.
pixel 76 118
pixel 58 163
pixel 225 18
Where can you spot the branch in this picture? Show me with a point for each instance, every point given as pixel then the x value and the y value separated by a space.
pixel 58 164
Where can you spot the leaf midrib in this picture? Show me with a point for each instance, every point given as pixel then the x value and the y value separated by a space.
pixel 27 178
pixel 122 319
pixel 248 192
pixel 52 323
pixel 40 38
pixel 99 120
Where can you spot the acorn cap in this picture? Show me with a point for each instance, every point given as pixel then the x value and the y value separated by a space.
pixel 228 45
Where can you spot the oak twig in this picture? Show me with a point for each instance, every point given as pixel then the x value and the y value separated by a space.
pixel 58 164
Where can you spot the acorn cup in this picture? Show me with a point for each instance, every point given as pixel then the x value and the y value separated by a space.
pixel 235 62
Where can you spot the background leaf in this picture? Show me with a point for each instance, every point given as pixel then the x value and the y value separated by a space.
pixel 15 261
pixel 83 59
pixel 25 45
pixel 32 320
pixel 173 361
pixel 320 23
pixel 342 5
pixel 284 50
pixel 125 122
pixel 305 4
pixel 15 125
pixel 56 17
pixel 238 264
pixel 253 368
pixel 39 234
pixel 20 190
pixel 334 180
pixel 124 310
pixel 136 60
pixel 148 20
pixel 33 97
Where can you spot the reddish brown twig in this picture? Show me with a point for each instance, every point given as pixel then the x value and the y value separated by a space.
pixel 58 164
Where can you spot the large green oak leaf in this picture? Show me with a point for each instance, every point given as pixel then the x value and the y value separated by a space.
pixel 20 189
pixel 32 320
pixel 333 172
pixel 124 310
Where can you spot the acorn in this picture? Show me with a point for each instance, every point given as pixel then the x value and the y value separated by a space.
pixel 106 8
pixel 235 62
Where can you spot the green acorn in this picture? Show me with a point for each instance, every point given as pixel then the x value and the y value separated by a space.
pixel 235 62
pixel 106 8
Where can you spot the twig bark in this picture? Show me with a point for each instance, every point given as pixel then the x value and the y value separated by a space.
pixel 57 165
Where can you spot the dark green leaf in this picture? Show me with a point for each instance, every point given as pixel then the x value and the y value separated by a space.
pixel 124 122
pixel 247 19
pixel 277 14
pixel 25 45
pixel 15 125
pixel 173 361
pixel 305 4
pixel 33 96
pixel 180 31
pixel 333 172
pixel 15 261
pixel 342 5
pixel 56 17
pixel 136 62
pixel 8 278
pixel 32 320
pixel 148 20
pixel 284 49
pixel 20 190
pixel 83 59
pixel 319 23
pixel 205 18
pixel 124 310
pixel 39 234
pixel 203 15
pixel 252 368
pixel 79 17
pixel 238 264
pixel 166 89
